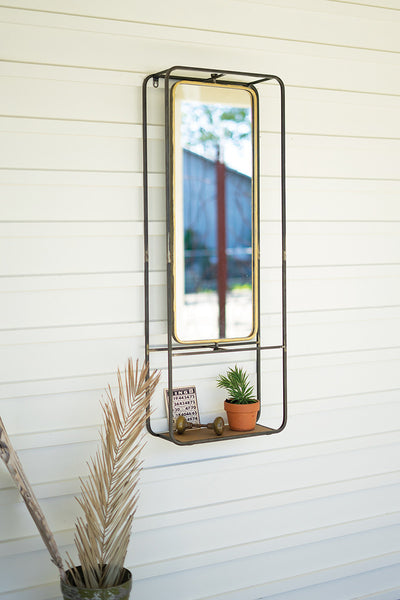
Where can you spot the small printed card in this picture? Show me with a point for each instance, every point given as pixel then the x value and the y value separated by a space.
pixel 184 402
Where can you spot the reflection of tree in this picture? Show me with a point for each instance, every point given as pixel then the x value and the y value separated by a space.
pixel 207 128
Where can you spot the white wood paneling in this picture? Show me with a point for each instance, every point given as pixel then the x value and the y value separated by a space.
pixel 312 512
pixel 325 26
pixel 68 45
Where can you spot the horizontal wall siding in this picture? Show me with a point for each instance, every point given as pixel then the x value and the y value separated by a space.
pixel 308 514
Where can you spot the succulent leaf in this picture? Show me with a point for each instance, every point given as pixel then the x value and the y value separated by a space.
pixel 236 382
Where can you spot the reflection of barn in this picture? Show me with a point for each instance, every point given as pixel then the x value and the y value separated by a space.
pixel 200 224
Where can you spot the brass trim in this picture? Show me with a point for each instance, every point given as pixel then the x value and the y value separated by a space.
pixel 255 213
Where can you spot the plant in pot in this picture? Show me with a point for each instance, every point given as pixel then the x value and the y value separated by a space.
pixel 109 495
pixel 241 406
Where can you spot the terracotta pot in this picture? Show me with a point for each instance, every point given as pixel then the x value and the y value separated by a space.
pixel 118 592
pixel 242 417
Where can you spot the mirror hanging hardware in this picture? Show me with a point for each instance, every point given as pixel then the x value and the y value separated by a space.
pixel 174 347
pixel 215 76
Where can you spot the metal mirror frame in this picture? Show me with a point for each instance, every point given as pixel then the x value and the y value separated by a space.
pixel 173 349
pixel 253 97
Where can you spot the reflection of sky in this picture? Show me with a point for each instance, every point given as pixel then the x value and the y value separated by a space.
pixel 202 123
pixel 239 158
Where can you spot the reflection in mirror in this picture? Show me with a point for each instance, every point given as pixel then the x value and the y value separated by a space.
pixel 214 212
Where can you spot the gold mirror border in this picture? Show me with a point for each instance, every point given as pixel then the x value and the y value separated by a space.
pixel 254 209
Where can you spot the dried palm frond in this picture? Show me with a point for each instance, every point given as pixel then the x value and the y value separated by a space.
pixel 109 496
pixel 14 466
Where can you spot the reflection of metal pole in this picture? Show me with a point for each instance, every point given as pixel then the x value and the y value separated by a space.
pixel 221 245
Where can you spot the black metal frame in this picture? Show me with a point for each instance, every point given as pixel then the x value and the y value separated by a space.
pixel 179 73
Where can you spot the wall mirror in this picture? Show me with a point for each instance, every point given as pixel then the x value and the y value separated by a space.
pixel 215 221
pixel 213 297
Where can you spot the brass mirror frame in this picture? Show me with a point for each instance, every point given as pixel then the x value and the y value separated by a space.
pixel 172 349
pixel 253 97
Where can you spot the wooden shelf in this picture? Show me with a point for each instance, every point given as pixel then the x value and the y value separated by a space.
pixel 196 436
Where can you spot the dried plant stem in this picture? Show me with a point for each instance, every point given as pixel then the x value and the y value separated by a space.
pixel 109 495
pixel 13 464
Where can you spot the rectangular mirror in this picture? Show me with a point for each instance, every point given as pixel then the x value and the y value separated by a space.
pixel 214 210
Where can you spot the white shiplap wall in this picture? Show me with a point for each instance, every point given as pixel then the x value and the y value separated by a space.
pixel 313 512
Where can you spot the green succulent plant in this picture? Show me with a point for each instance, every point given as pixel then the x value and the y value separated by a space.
pixel 236 383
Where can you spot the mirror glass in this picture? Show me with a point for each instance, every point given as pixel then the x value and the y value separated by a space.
pixel 214 211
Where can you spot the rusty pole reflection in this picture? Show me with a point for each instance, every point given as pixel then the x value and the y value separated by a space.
pixel 221 247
